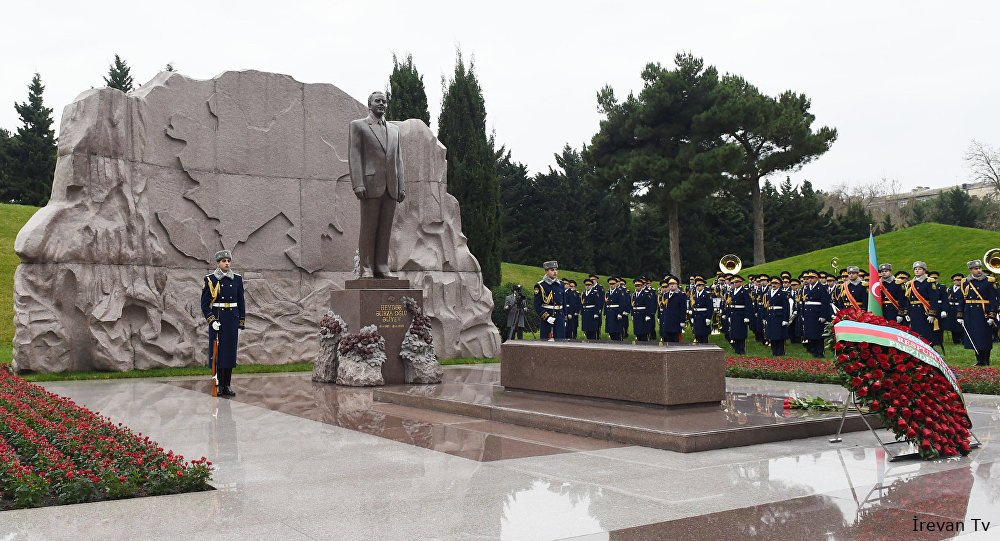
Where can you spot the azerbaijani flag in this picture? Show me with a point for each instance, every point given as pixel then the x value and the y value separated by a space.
pixel 874 280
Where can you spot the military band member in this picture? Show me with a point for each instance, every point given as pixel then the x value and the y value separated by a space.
pixel 626 307
pixel 814 311
pixel 853 293
pixel 738 307
pixel 224 307
pixel 614 309
pixel 893 297
pixel 954 299
pixel 778 309
pixel 644 311
pixel 672 305
pixel 977 312
pixel 591 310
pixel 941 306
pixel 831 286
pixel 548 303
pixel 795 328
pixel 921 295
pixel 702 311
pixel 573 308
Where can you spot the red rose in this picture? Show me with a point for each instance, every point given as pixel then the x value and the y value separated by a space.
pixel 891 412
pixel 874 405
pixel 856 381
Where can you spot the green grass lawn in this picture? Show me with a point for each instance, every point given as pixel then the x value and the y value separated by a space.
pixel 945 248
pixel 12 218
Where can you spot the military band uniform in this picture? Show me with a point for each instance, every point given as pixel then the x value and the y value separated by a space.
pixel 778 307
pixel 222 302
pixel 614 312
pixel 644 309
pixel 954 300
pixel 894 305
pixel 702 312
pixel 738 314
pixel 978 312
pixel 573 308
pixel 815 311
pixel 591 310
pixel 672 309
pixel 921 296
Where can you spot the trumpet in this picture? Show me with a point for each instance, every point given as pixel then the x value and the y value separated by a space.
pixel 730 263
pixel 991 260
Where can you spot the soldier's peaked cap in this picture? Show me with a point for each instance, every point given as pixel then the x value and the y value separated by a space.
pixel 957 275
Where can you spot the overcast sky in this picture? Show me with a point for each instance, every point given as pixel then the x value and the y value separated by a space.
pixel 906 84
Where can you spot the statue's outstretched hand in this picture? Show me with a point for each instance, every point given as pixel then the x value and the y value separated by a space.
pixel 360 192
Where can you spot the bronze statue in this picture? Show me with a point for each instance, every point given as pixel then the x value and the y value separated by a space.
pixel 376 162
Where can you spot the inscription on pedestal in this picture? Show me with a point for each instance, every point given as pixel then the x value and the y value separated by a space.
pixel 390 316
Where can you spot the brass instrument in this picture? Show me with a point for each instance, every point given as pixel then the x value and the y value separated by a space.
pixel 730 263
pixel 991 260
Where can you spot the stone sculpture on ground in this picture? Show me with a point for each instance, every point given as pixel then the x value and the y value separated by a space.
pixel 361 358
pixel 420 363
pixel 149 184
pixel 331 329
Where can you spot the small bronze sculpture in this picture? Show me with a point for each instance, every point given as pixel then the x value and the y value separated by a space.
pixel 376 163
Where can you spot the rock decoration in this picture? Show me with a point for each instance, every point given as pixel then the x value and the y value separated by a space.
pixel 331 329
pixel 149 184
pixel 420 363
pixel 361 358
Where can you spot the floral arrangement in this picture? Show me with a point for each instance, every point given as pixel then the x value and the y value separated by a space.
pixel 421 324
pixel 331 324
pixel 366 344
pixel 55 452
pixel 913 399
pixel 815 403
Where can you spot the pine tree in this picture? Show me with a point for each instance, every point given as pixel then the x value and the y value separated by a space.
pixel 33 154
pixel 472 173
pixel 6 153
pixel 406 94
pixel 118 76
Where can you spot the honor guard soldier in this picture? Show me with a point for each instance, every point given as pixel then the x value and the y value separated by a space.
pixel 573 308
pixel 778 306
pixel 597 284
pixel 853 293
pixel 224 307
pixel 921 295
pixel 593 307
pixel 795 327
pixel 954 299
pixel 815 311
pixel 549 304
pixel 893 297
pixel 977 312
pixel 627 307
pixel 702 311
pixel 738 309
pixel 644 311
pixel 672 305
pixel 944 316
pixel 614 309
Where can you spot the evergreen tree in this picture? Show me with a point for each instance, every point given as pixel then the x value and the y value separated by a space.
pixel 32 156
pixel 519 214
pixel 406 94
pixel 885 225
pixel 118 76
pixel 472 168
pixel 956 207
pixel 6 152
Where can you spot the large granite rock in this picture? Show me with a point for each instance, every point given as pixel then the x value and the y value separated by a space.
pixel 150 184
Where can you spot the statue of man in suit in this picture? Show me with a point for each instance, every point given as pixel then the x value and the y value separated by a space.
pixel 376 163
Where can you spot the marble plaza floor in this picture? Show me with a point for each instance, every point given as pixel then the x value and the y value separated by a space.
pixel 297 460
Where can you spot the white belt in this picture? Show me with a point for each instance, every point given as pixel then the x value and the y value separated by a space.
pixel 640 308
pixel 224 304
pixel 551 307
pixel 776 308
pixel 814 303
pixel 701 309
pixel 612 306
pixel 589 305
pixel 737 306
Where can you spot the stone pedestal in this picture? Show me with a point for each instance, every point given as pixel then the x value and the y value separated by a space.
pixel 379 302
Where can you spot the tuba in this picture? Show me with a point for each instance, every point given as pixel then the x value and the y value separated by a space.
pixel 730 263
pixel 991 260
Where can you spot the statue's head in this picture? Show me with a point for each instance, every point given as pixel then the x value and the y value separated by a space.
pixel 377 103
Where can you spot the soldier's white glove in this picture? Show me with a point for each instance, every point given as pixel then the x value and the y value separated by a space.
pixel 930 319
pixel 907 318
pixel 992 322
pixel 648 318
pixel 821 320
pixel 551 320
pixel 784 323
pixel 597 316
pixel 619 316
pixel 216 325
pixel 960 321
pixel 746 320
pixel 682 326
pixel 708 321
pixel 899 319
pixel 944 314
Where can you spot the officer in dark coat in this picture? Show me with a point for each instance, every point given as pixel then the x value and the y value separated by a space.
pixel 597 284
pixel 672 305
pixel 614 309
pixel 954 299
pixel 893 297
pixel 921 295
pixel 644 311
pixel 591 310
pixel 795 327
pixel 738 314
pixel 627 307
pixel 702 311
pixel 224 308
pixel 778 307
pixel 853 293
pixel 977 312
pixel 815 311
pixel 573 307
pixel 548 303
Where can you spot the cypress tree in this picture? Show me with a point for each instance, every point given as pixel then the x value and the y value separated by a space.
pixel 406 94
pixel 472 168
pixel 118 76
pixel 6 149
pixel 33 154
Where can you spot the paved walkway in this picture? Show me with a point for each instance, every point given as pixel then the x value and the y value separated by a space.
pixel 284 476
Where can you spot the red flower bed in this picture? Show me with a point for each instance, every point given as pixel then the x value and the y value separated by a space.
pixel 913 399
pixel 810 370
pixel 55 452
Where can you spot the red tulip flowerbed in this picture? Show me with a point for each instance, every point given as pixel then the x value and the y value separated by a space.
pixel 54 452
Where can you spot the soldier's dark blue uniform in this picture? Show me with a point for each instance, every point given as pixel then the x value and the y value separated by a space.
pixel 738 312
pixel 644 311
pixel 573 307
pixel 853 293
pixel 615 304
pixel 815 311
pixel 223 305
pixel 702 312
pixel 778 307
pixel 978 312
pixel 953 300
pixel 548 304
pixel 893 297
pixel 672 305
pixel 921 295
pixel 591 310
